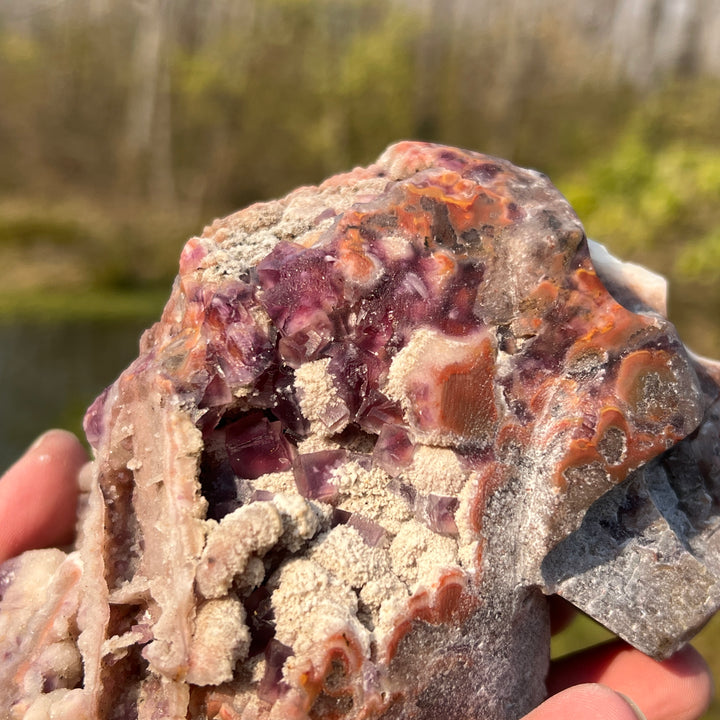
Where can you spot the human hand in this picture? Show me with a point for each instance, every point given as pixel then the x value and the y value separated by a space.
pixel 38 495
pixel 596 684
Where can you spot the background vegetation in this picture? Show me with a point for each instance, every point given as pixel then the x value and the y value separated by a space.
pixel 125 127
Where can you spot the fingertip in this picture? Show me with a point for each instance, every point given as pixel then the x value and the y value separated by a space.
pixel 59 446
pixel 694 677
pixel 678 688
pixel 687 661
pixel 38 494
pixel 589 701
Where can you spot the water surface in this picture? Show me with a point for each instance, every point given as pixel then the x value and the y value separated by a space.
pixel 50 373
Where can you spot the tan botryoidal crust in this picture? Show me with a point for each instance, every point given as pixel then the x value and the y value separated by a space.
pixel 379 420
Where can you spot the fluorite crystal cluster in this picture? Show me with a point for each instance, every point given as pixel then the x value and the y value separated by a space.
pixel 379 421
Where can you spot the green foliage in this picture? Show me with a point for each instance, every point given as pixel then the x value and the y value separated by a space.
pixel 75 245
pixel 583 632
pixel 325 88
pixel 104 304
pixel 122 133
pixel 374 102
pixel 653 193
pixel 640 198
pixel 701 258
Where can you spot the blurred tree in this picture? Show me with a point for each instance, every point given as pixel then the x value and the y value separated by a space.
pixel 147 136
pixel 136 122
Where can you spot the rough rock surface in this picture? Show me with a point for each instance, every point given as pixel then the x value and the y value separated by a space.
pixel 379 420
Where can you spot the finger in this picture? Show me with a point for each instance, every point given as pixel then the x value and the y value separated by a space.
pixel 38 494
pixel 679 688
pixel 589 702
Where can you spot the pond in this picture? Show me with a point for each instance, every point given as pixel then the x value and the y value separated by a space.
pixel 51 372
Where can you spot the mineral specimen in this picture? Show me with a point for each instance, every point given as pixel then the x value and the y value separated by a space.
pixel 379 420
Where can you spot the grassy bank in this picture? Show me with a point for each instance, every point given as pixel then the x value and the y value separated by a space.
pixel 643 173
pixel 87 304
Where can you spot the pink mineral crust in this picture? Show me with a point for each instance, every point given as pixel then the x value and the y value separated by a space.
pixel 379 420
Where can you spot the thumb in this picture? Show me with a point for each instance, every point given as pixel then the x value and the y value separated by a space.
pixel 38 494
pixel 589 702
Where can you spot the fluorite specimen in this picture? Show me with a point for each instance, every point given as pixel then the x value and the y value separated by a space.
pixel 379 421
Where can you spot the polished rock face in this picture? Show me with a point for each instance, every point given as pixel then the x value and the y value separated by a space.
pixel 379 420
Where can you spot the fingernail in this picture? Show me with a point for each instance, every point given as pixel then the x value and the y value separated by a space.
pixel 57 434
pixel 40 440
pixel 638 712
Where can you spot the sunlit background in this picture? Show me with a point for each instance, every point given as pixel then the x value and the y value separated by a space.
pixel 125 126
